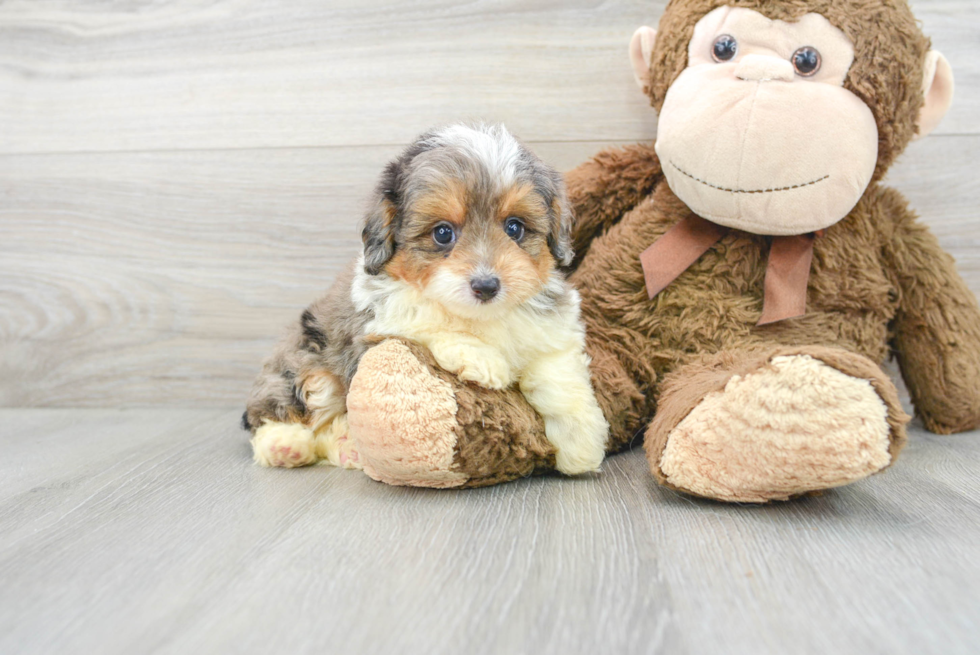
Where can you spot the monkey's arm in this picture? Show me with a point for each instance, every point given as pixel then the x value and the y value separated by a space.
pixel 937 327
pixel 607 186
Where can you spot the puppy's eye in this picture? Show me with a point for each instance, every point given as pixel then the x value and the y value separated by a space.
pixel 806 61
pixel 724 48
pixel 443 234
pixel 514 228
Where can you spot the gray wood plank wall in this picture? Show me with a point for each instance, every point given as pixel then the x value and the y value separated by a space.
pixel 178 179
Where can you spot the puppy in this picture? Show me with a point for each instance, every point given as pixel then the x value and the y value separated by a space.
pixel 462 250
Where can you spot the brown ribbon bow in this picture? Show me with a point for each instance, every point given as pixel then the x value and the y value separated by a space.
pixel 787 271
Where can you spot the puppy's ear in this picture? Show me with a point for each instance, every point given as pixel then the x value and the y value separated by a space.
pixel 378 235
pixel 381 222
pixel 560 237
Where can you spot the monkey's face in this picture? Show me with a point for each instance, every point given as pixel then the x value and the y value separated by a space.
pixel 758 133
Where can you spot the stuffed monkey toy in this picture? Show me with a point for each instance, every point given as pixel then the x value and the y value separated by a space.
pixel 742 279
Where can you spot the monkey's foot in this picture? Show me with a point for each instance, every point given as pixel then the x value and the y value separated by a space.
pixel 413 423
pixel 785 426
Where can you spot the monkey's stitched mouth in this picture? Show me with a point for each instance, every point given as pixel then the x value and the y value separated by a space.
pixel 773 190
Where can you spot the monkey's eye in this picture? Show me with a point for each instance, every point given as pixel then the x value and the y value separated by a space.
pixel 724 48
pixel 806 61
pixel 514 227
pixel 443 234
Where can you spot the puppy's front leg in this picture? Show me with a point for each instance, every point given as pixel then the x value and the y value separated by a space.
pixel 558 386
pixel 471 360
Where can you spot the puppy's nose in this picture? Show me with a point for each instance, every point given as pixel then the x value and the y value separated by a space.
pixel 485 288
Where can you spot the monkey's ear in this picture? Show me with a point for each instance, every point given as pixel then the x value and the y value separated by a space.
pixel 937 87
pixel 379 236
pixel 641 55
pixel 560 237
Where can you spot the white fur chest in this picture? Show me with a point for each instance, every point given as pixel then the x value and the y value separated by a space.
pixel 520 335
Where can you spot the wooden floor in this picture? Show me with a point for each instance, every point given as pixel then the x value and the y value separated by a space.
pixel 149 531
pixel 178 179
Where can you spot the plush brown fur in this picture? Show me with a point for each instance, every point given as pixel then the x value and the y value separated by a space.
pixel 880 284
pixel 500 437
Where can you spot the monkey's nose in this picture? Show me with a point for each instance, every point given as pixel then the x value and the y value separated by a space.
pixel 763 68
pixel 485 288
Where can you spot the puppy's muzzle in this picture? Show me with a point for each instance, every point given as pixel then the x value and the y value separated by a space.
pixel 485 288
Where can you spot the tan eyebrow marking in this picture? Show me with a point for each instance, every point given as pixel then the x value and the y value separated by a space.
pixel 447 202
pixel 522 201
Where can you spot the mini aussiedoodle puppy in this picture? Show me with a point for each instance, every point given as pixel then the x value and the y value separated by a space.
pixel 462 249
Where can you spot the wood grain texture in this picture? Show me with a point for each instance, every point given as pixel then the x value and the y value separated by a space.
pixel 150 531
pixel 195 74
pixel 250 73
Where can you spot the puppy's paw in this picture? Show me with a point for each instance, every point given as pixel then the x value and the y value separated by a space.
pixel 580 440
pixel 283 444
pixel 490 372
pixel 579 458
pixel 484 366
pixel 334 445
